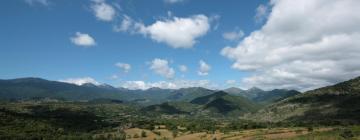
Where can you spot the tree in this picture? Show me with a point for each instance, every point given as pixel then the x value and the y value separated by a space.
pixel 347 134
pixel 143 134
pixel 310 129
pixel 175 133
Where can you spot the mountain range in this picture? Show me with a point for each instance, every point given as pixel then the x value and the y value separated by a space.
pixel 337 103
pixel 27 88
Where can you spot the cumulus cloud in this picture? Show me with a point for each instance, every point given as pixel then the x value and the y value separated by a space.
pixel 103 11
pixel 161 67
pixel 41 2
pixel 204 68
pixel 183 68
pixel 233 35
pixel 124 67
pixel 80 81
pixel 176 84
pixel 135 85
pixel 82 39
pixel 173 31
pixel 304 44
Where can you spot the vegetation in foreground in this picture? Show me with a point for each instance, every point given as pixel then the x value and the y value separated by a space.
pixel 88 120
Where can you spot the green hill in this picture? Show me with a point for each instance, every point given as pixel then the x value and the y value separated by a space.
pixel 217 104
pixel 225 104
pixel 208 98
pixel 335 104
pixel 275 95
pixel 261 96
pixel 188 94
pixel 165 108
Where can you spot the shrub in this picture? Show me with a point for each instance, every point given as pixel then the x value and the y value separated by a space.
pixel 310 129
pixel 347 134
pixel 143 134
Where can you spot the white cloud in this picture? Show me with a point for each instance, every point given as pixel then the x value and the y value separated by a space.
pixel 305 44
pixel 262 11
pixel 233 35
pixel 230 82
pixel 204 68
pixel 173 1
pixel 41 2
pixel 174 31
pixel 161 67
pixel 135 85
pixel 179 32
pixel 125 25
pixel 103 11
pixel 183 68
pixel 80 81
pixel 124 66
pixel 169 84
pixel 82 39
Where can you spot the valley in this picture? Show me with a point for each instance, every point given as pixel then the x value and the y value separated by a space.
pixel 46 109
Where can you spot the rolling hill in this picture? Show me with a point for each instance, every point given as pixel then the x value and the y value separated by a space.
pixel 188 94
pixel 165 108
pixel 261 96
pixel 223 103
pixel 332 104
pixel 217 104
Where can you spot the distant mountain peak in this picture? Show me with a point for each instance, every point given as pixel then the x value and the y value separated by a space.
pixel 28 79
pixel 154 88
pixel 106 86
pixel 255 89
pixel 88 85
pixel 235 88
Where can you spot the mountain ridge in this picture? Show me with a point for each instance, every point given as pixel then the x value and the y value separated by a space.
pixel 338 103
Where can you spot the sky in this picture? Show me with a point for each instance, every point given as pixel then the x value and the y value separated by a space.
pixel 139 44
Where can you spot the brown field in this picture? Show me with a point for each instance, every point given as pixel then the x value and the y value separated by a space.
pixel 275 133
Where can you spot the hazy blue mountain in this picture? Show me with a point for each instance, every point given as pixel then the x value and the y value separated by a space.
pixel 25 88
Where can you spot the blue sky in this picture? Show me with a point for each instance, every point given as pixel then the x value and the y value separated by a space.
pixel 141 43
pixel 35 40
